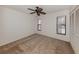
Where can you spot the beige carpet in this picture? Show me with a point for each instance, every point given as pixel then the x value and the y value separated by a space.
pixel 37 44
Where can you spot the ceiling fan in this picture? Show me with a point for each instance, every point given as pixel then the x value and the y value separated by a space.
pixel 38 11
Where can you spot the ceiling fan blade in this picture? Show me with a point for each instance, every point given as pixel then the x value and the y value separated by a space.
pixel 32 12
pixel 43 13
pixel 31 9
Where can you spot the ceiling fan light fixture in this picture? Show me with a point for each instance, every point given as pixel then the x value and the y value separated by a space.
pixel 38 11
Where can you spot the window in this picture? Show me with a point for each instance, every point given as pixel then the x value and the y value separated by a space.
pixel 39 25
pixel 61 25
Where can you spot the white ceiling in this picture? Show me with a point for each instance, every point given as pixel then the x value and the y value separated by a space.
pixel 47 8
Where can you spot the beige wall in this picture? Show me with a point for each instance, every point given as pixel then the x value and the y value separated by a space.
pixel 49 25
pixel 15 25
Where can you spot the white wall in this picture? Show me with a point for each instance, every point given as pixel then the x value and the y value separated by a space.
pixel 75 43
pixel 49 25
pixel 75 30
pixel 14 25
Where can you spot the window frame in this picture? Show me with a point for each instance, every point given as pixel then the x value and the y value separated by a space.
pixel 57 28
pixel 39 25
